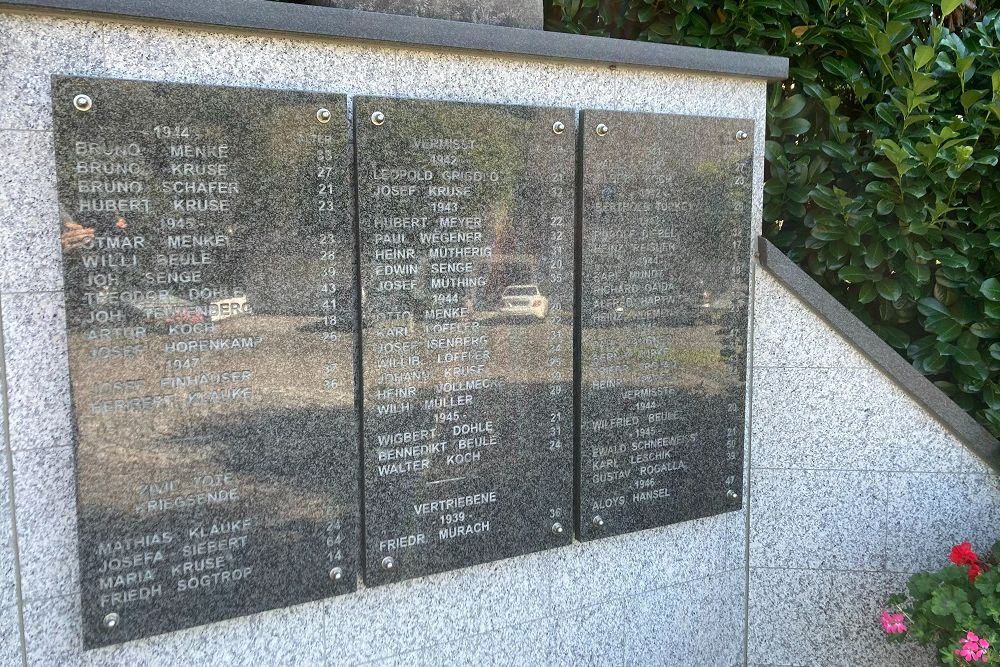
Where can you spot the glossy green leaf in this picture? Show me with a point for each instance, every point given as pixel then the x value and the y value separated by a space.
pixel 990 289
pixel 948 6
pixel 985 330
pixel 931 306
pixel 852 274
pixel 792 106
pixel 946 328
pixel 924 54
pixel 895 337
pixel 867 293
pixel 889 289
pixel 796 126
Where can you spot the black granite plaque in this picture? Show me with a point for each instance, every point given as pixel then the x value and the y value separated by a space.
pixel 207 239
pixel 466 238
pixel 664 303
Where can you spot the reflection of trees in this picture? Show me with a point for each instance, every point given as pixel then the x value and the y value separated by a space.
pixel 513 209
pixel 294 479
pixel 704 395
pixel 529 479
pixel 284 241
pixel 694 167
pixel 500 270
pixel 273 225
pixel 292 452
pixel 681 171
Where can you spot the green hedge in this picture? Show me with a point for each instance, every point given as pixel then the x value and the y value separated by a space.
pixel 881 156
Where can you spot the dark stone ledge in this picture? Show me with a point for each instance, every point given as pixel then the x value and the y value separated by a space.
pixel 935 401
pixel 262 15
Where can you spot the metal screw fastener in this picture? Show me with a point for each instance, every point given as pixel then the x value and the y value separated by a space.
pixel 598 521
pixel 336 574
pixel 388 563
pixel 378 118
pixel 601 129
pixel 83 103
pixel 741 135
pixel 323 115
pixel 557 528
pixel 111 621
pixel 558 127
pixel 732 494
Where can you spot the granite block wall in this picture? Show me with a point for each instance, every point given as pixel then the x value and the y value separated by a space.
pixel 853 487
pixel 10 632
pixel 674 596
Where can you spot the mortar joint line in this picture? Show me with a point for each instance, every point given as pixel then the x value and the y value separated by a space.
pixel 9 454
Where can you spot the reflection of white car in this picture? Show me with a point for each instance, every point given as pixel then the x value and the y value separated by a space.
pixel 524 300
pixel 165 310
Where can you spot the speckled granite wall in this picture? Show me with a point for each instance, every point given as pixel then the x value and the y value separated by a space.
pixel 852 487
pixel 673 596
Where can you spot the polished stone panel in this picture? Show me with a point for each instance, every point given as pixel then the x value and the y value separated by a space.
pixel 665 259
pixel 466 239
pixel 207 238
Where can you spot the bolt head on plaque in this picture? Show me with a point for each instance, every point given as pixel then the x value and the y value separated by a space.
pixel 732 494
pixel 601 129
pixel 741 135
pixel 336 574
pixel 110 621
pixel 378 118
pixel 558 127
pixel 388 563
pixel 598 521
pixel 557 528
pixel 83 103
pixel 323 115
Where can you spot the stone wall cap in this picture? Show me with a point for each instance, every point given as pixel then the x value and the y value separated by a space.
pixel 306 20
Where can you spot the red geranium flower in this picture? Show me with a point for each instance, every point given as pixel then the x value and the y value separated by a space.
pixel 962 554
